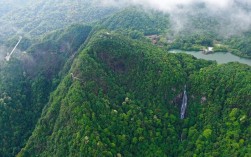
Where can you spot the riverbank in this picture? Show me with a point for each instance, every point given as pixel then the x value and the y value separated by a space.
pixel 239 53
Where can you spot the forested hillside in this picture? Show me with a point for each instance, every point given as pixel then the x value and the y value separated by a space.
pixel 241 44
pixel 149 23
pixel 122 97
pixel 218 119
pixel 26 82
pixel 112 88
pixel 200 30
pixel 29 20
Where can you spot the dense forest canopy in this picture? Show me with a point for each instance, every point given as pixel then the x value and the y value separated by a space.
pixel 123 97
pixel 96 78
pixel 26 83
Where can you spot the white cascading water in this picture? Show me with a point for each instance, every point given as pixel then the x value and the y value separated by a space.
pixel 7 58
pixel 183 105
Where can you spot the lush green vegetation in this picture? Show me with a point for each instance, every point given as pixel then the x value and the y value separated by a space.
pixel 192 42
pixel 240 45
pixel 96 91
pixel 151 22
pixel 122 98
pixel 218 118
pixel 198 31
pixel 26 83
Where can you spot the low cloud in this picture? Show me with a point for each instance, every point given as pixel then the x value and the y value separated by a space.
pixel 233 16
pixel 174 5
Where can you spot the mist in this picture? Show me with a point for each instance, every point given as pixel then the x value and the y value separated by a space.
pixel 233 16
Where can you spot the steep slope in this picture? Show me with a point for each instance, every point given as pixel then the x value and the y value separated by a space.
pixel 221 126
pixel 120 97
pixel 26 82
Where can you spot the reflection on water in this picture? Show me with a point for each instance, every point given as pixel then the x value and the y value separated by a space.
pixel 219 57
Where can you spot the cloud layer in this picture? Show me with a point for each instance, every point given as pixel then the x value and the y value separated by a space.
pixel 172 5
pixel 234 15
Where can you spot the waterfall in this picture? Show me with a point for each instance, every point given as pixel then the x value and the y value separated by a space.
pixel 9 55
pixel 184 104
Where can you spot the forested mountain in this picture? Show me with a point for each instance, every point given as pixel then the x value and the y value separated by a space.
pixel 114 101
pixel 122 97
pixel 26 83
pixel 29 20
pixel 149 23
pixel 111 87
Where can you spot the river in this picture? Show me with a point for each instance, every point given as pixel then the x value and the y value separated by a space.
pixel 219 57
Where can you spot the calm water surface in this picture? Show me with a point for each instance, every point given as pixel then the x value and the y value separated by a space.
pixel 219 57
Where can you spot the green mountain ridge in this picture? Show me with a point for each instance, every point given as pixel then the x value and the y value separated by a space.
pixel 113 89
pixel 147 22
pixel 26 83
pixel 121 98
